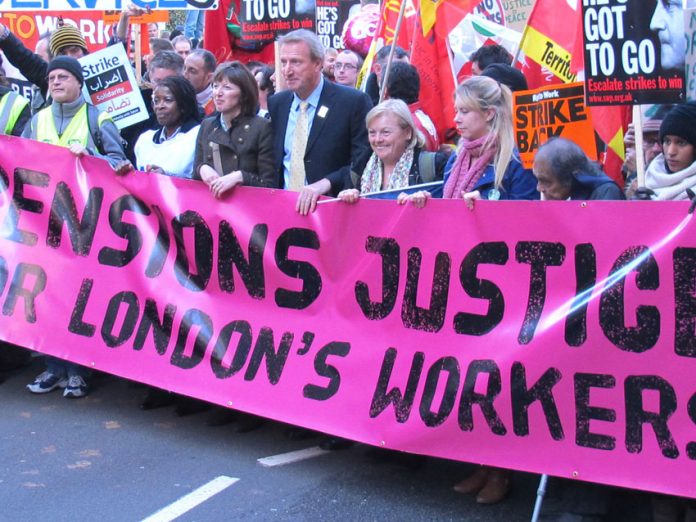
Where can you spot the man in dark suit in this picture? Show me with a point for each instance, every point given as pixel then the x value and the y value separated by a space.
pixel 324 120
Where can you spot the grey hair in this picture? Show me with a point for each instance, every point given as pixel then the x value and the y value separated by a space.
pixel 399 109
pixel 566 160
pixel 316 48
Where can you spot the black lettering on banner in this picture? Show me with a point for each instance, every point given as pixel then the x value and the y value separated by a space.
pixel 429 319
pixel 388 248
pixel 161 329
pixel 306 272
pixel 112 257
pixel 307 340
pixel 77 324
pixel 539 255
pixel 638 338
pixel 28 295
pixel 161 248
pixel 203 251
pixel 523 397
pixel 636 416
pixel 10 227
pixel 495 253
pixel 485 402
pixel 685 301
pixel 450 366
pixel 691 409
pixel 64 211
pixel 192 319
pixel 585 279
pixel 241 327
pixel 128 326
pixel 231 253
pixel 402 402
pixel 323 369
pixel 584 413
pixel 265 349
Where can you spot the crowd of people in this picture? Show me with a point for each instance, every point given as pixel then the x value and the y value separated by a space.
pixel 225 125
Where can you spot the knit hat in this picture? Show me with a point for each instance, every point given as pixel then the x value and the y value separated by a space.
pixel 507 75
pixel 679 121
pixel 69 64
pixel 64 36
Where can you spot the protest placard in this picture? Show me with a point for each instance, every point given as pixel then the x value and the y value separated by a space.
pixel 111 86
pixel 556 111
pixel 331 17
pixel 547 336
pixel 264 20
pixel 517 12
pixel 634 52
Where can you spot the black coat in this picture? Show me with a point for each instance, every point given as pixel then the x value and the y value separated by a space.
pixel 247 146
pixel 338 136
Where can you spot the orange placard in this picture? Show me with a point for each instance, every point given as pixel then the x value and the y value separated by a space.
pixel 552 111
pixel 111 17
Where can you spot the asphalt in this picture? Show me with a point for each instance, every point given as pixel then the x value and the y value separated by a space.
pixel 102 458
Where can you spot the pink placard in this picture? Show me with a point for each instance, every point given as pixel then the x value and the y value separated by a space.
pixel 554 337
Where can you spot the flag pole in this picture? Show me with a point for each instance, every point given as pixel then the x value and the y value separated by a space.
pixel 397 30
pixel 541 491
pixel 640 156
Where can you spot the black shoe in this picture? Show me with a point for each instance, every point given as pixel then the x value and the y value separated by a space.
pixel 248 423
pixel 188 406
pixel 156 398
pixel 296 433
pixel 335 443
pixel 221 417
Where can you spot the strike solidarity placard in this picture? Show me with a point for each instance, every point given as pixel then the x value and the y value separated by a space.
pixel 634 51
pixel 547 336
pixel 111 86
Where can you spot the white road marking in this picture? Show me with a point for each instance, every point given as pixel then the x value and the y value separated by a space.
pixel 293 456
pixel 193 499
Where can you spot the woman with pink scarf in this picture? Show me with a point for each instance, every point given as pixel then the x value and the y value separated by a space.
pixel 486 165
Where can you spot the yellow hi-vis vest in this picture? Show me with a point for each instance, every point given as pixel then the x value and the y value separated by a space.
pixel 11 106
pixel 77 131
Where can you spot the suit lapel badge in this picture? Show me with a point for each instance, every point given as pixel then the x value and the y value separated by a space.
pixel 322 111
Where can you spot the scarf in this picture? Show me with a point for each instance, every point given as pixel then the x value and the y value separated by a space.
pixel 469 166
pixel 371 180
pixel 669 185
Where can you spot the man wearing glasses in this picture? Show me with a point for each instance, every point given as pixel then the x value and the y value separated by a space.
pixel 347 67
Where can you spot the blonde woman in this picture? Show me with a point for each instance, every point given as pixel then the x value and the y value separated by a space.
pixel 486 165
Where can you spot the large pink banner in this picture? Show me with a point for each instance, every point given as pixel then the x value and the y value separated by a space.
pixel 554 337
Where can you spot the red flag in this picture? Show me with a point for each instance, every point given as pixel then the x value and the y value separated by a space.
pixel 220 41
pixel 429 56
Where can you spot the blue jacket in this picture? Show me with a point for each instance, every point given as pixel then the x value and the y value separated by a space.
pixel 518 182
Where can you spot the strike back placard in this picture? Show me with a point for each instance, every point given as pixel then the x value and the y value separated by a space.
pixel 556 111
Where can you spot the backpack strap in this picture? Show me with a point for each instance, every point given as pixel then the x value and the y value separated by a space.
pixel 426 166
pixel 93 127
